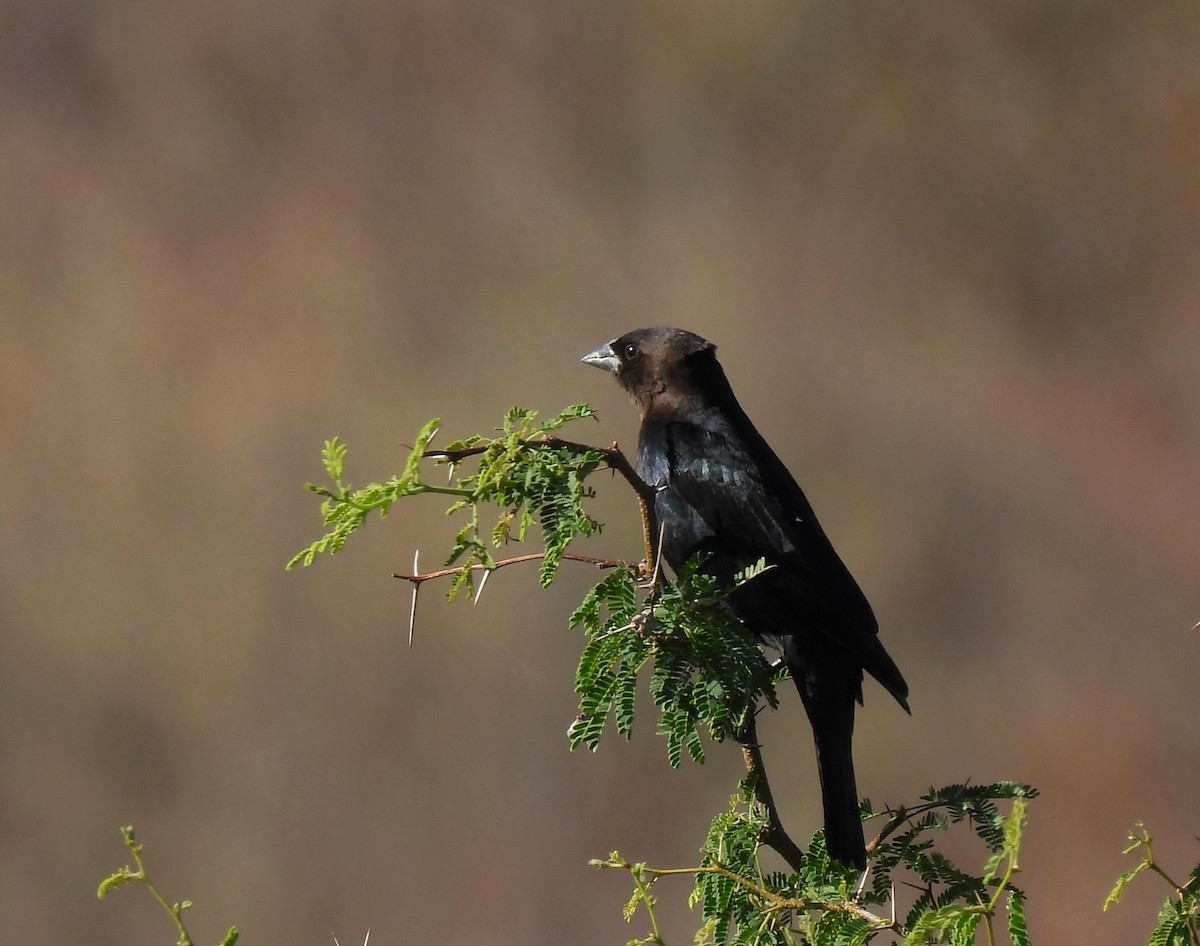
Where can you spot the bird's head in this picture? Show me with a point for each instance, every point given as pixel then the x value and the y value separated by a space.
pixel 660 368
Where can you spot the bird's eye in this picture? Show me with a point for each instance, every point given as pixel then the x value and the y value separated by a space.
pixel 631 352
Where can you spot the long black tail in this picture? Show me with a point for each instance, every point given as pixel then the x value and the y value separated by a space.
pixel 833 730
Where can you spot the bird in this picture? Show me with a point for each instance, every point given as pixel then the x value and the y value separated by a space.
pixel 722 496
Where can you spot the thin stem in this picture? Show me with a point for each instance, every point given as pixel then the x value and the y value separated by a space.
pixel 899 817
pixel 648 900
pixel 774 835
pixel 987 925
pixel 616 460
pixel 773 900
pixel 1153 865
pixel 1143 840
pixel 135 849
pixel 446 490
pixel 531 557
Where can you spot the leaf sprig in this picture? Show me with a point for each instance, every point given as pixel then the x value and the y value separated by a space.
pixel 819 904
pixel 138 874
pixel 530 476
pixel 709 673
pixel 1179 917
pixel 345 509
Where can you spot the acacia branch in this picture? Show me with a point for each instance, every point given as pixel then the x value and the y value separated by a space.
pixel 613 457
pixel 772 900
pixel 774 835
pixel 418 578
pixel 531 557
pixel 897 818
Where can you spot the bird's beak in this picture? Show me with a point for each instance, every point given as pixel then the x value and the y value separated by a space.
pixel 603 357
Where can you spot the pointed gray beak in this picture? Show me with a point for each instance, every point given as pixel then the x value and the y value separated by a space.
pixel 603 357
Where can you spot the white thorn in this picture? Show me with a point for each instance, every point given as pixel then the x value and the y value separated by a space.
pixel 412 611
pixel 482 581
pixel 862 884
pixel 662 531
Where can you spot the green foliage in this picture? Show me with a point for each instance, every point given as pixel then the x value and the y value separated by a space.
pixel 1179 918
pixel 820 903
pixel 530 477
pixel 1018 931
pixel 707 676
pixel 127 875
pixel 345 509
pixel 606 678
pixel 526 473
pixel 708 673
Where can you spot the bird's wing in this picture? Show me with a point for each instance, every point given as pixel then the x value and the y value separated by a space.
pixel 754 509
pixel 720 477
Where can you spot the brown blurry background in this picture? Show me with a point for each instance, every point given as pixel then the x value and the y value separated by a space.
pixel 949 253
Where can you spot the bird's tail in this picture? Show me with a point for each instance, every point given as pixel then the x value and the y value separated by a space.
pixel 833 729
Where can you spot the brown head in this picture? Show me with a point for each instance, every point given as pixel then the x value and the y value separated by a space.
pixel 663 369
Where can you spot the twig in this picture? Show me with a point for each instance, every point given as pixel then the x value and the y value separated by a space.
pixel 774 835
pixel 773 901
pixel 531 557
pixel 898 817
pixel 417 578
pixel 616 460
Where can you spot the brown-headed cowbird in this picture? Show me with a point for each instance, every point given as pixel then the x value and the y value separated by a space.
pixel 724 496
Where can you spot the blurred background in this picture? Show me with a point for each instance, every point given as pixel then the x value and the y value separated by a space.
pixel 949 254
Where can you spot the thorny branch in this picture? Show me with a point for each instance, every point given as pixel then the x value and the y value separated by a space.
pixel 419 578
pixel 617 462
pixel 531 557
pixel 774 835
pixel 772 900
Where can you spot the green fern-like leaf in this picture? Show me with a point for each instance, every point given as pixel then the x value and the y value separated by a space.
pixel 333 456
pixel 115 882
pixel 1123 881
pixel 625 700
pixel 840 929
pixel 962 930
pixel 574 412
pixel 516 472
pixel 933 922
pixel 412 466
pixel 1172 930
pixel 1018 930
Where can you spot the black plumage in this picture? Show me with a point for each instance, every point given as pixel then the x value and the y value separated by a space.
pixel 723 494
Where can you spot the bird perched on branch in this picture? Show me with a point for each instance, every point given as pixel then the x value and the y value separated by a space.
pixel 723 495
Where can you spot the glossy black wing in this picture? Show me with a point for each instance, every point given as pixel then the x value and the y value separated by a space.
pixel 746 497
pixel 739 504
